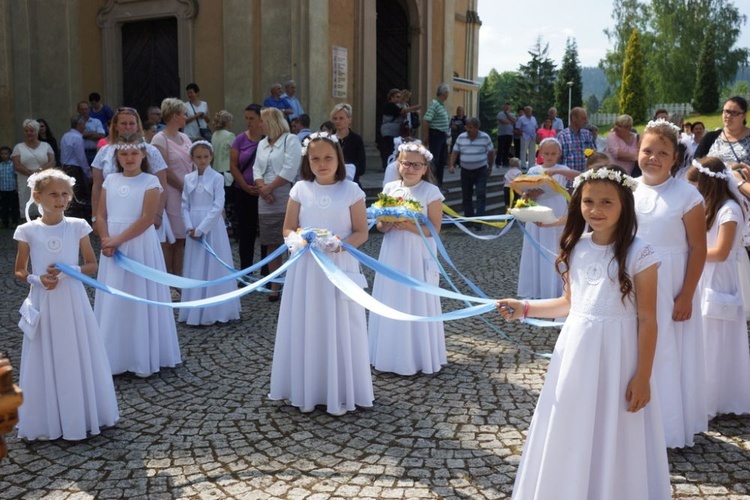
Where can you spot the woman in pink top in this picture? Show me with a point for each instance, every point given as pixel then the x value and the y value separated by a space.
pixel 544 133
pixel 622 144
pixel 174 147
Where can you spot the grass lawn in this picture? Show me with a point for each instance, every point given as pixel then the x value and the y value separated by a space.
pixel 712 122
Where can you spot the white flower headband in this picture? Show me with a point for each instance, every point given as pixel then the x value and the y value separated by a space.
pixel 135 145
pixel 415 147
pixel 709 172
pixel 318 135
pixel 201 143
pixel 661 122
pixel 606 174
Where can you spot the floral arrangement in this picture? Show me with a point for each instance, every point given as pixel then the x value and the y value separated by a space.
pixel 318 135
pixel 588 152
pixel 395 209
pixel 415 147
pixel 709 172
pixel 606 174
pixel 319 238
pixel 525 203
pixel 662 122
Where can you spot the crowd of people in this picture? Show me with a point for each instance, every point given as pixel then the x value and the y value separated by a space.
pixel 651 272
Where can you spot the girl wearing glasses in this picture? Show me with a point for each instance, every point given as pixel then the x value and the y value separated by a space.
pixel 404 347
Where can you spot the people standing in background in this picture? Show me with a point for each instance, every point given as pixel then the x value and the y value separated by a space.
pixel 9 210
pixel 73 161
pixel 390 128
pixel 437 129
pixel 458 125
pixel 290 91
pixel 29 156
pixel 528 126
pixel 99 110
pixel 546 131
pixel 304 124
pixel 477 154
pixel 93 132
pixel 351 143
pixel 506 122
pixel 154 115
pixel 622 144
pixel 46 135
pixel 275 100
pixel 575 140
pixel 197 114
pixel 555 121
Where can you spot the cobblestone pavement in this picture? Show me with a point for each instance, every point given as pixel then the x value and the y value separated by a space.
pixel 207 430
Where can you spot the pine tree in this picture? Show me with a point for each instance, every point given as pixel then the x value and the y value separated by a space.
pixel 537 87
pixel 569 72
pixel 706 93
pixel 633 89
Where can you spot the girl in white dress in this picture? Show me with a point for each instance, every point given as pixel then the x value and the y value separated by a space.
pixel 202 206
pixel 65 376
pixel 724 326
pixel 408 347
pixel 594 434
pixel 671 217
pixel 537 278
pixel 320 356
pixel 139 338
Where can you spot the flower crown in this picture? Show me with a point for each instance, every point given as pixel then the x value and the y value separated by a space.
pixel 50 172
pixel 605 174
pixel 661 122
pixel 132 145
pixel 709 172
pixel 318 135
pixel 201 143
pixel 415 147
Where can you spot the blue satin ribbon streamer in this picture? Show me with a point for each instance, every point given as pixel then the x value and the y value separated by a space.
pixel 546 253
pixel 342 281
pixel 209 301
pixel 165 278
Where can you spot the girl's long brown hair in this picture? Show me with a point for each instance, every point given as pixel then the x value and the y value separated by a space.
pixel 625 231
pixel 715 191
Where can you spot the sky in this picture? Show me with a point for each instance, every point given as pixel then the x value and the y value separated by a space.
pixel 510 29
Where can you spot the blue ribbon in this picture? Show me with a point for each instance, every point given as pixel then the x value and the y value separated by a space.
pixel 207 302
pixel 546 253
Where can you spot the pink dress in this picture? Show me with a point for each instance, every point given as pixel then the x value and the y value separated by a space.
pixel 177 158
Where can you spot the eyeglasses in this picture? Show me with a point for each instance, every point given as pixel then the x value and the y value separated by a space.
pixel 732 112
pixel 412 165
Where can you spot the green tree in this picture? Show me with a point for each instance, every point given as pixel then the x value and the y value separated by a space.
pixel 627 14
pixel 592 104
pixel 496 89
pixel 633 88
pixel 570 71
pixel 706 96
pixel 537 85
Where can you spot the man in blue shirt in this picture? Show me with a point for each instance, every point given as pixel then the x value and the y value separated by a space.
pixel 276 101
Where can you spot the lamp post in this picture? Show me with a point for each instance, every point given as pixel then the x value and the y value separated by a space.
pixel 570 98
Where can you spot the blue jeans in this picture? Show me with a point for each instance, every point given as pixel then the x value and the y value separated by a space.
pixel 470 179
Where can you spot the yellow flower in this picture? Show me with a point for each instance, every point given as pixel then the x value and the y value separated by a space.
pixel 588 152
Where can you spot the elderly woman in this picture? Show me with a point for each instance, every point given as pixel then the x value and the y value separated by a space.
pixel 622 144
pixel 351 143
pixel 276 165
pixel 29 156
pixel 127 121
pixel 174 147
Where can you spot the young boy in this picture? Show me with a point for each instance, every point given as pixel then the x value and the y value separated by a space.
pixel 8 189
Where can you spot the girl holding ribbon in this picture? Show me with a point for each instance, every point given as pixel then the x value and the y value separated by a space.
pixel 139 337
pixel 399 346
pixel 320 355
pixel 596 431
pixel 65 376
pixel 202 207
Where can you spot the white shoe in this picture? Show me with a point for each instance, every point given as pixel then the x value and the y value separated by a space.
pixel 143 375
pixel 342 411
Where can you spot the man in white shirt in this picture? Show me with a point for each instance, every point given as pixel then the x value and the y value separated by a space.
pixel 557 123
pixel 528 126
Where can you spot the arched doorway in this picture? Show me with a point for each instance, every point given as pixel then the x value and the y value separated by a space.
pixel 392 31
pixel 149 63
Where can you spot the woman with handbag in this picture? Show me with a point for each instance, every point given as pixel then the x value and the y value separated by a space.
pixel 276 166
pixel 196 125
pixel 245 193
pixel 393 116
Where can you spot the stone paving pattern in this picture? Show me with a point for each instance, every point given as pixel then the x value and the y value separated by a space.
pixel 206 429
